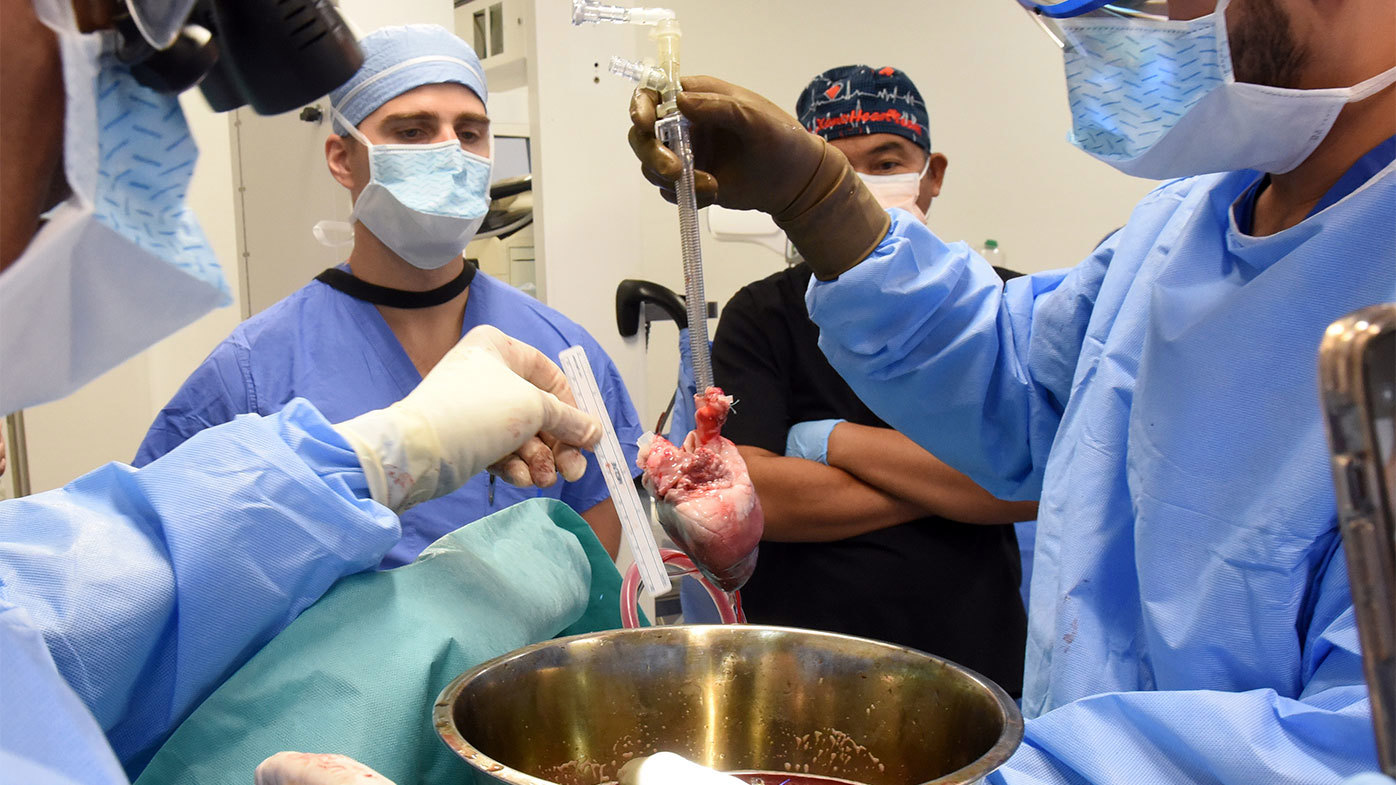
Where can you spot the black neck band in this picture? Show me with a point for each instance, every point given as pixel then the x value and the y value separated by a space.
pixel 342 281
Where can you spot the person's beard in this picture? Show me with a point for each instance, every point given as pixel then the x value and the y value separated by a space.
pixel 1263 48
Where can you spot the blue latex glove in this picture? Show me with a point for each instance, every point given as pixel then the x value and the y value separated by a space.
pixel 810 440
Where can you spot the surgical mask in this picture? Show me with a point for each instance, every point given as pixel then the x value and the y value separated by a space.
pixel 122 262
pixel 424 201
pixel 898 190
pixel 1158 99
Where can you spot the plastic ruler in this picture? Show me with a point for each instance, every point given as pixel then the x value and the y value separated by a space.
pixel 616 470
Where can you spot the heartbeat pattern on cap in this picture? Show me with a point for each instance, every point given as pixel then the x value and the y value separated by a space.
pixel 858 100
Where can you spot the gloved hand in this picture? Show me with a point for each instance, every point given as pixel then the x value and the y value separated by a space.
pixel 306 768
pixel 751 155
pixel 810 440
pixel 666 768
pixel 491 403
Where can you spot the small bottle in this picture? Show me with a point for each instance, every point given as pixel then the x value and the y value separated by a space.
pixel 993 254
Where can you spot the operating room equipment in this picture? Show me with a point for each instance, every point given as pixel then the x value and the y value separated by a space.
pixel 1357 374
pixel 273 54
pixel 737 698
pixel 15 479
pixel 616 470
pixel 638 303
pixel 673 131
pixel 728 606
pixel 666 768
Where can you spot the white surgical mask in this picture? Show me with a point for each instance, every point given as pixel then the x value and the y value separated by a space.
pixel 1158 99
pixel 898 190
pixel 424 201
pixel 122 262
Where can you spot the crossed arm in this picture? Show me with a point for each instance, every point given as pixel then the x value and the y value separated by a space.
pixel 876 478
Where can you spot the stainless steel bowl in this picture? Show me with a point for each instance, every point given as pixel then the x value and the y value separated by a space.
pixel 737 698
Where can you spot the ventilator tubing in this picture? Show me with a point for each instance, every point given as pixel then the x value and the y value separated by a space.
pixel 673 132
pixel 728 604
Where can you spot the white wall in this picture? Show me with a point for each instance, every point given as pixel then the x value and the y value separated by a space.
pixel 993 84
pixel 365 16
pixel 587 189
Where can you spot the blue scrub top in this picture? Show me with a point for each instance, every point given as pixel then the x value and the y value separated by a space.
pixel 337 352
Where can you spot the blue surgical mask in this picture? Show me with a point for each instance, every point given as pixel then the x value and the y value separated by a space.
pixel 122 262
pixel 424 201
pixel 1157 98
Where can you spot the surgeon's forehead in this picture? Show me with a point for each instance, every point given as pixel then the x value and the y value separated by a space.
pixel 446 101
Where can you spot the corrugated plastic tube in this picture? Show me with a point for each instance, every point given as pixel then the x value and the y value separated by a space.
pixel 729 606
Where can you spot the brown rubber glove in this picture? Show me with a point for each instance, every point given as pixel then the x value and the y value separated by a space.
pixel 751 155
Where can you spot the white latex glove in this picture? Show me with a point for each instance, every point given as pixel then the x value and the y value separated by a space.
pixel 491 403
pixel 308 768
pixel 666 768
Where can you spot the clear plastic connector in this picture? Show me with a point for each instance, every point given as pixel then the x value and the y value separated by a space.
pixel 645 75
pixel 593 12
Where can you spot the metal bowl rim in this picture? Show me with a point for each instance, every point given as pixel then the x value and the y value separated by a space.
pixel 443 717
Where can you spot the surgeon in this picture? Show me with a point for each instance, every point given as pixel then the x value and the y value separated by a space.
pixel 127 596
pixel 412 145
pixel 861 524
pixel 1191 619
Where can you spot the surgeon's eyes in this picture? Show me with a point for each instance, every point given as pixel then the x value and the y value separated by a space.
pixel 412 135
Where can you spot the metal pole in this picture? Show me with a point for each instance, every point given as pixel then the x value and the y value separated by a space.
pixel 18 452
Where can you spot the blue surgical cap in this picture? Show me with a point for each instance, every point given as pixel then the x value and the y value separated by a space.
pixel 401 58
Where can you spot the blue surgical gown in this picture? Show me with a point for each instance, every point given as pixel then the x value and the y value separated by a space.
pixel 1191 619
pixel 127 596
pixel 338 353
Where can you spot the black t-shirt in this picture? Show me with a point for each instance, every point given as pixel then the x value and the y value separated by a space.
pixel 947 588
